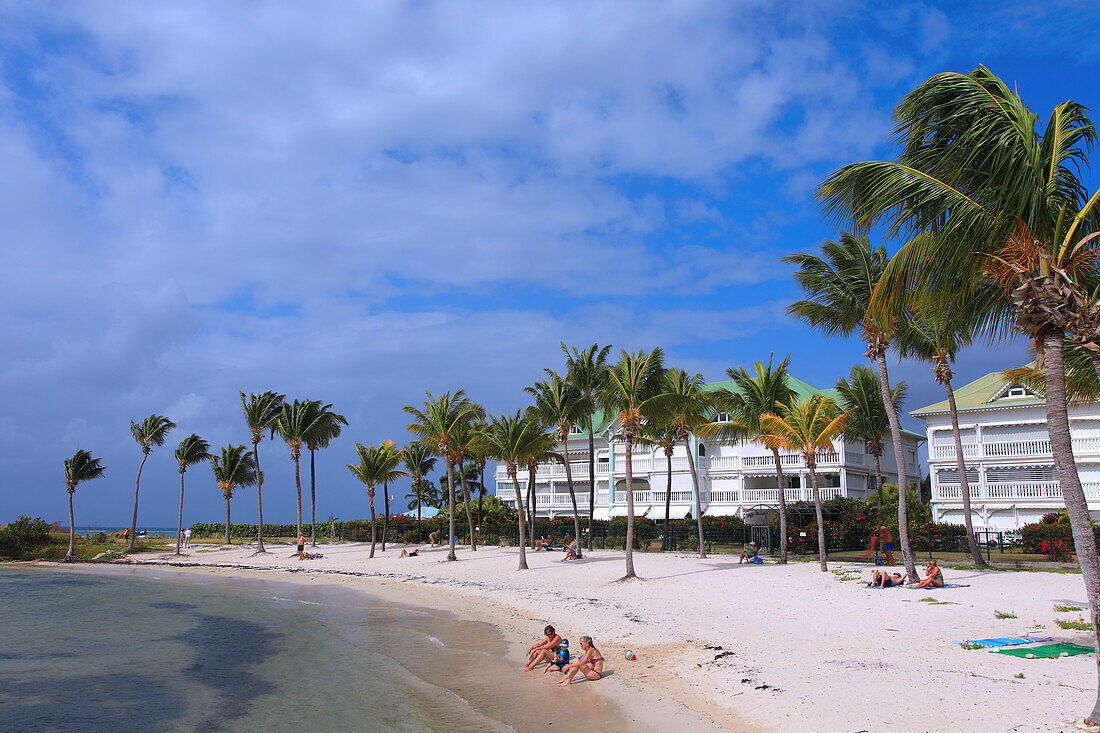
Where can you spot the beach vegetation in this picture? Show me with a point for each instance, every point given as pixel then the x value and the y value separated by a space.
pixel 377 465
pixel 191 451
pixel 419 462
pixel 78 469
pixel 1062 608
pixel 150 432
pixel 320 433
pixel 757 394
pixel 1004 614
pixel 969 645
pixel 261 411
pixel 234 467
pixel 556 404
pixel 586 371
pixel 1077 624
pixel 295 423
pixel 27 538
pixel 937 602
pixel 688 408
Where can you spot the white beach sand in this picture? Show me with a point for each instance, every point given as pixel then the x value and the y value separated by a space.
pixel 749 647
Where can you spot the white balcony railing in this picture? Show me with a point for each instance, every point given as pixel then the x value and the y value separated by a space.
pixel 722 497
pixel 1014 490
pixel 1012 449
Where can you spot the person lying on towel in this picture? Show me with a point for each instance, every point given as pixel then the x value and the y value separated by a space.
pixel 885 580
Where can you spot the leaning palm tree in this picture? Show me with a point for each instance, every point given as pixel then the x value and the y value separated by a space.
pixel 808 426
pixel 753 396
pixel 861 398
pixel 690 407
pixel 261 411
pixel 81 467
pixel 839 285
pixel 295 423
pixel 556 405
pixel 634 393
pixel 375 466
pixel 937 327
pixel 152 431
pixel 419 461
pixel 510 439
pixel 192 451
pixel 587 372
pixel 435 425
pixel 324 431
pixel 233 468
pixel 979 175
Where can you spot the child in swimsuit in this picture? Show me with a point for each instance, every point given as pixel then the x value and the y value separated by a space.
pixel 590 664
pixel 561 659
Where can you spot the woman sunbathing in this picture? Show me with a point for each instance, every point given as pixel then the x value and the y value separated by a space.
pixel 590 664
pixel 406 553
pixel 544 651
pixel 933 577
pixel 885 580
pixel 570 551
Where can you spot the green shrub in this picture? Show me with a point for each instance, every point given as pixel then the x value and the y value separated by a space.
pixel 29 538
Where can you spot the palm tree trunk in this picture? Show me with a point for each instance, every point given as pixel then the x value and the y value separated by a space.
pixel 572 494
pixel 532 501
pixel 419 531
pixel 228 540
pixel 820 515
pixel 137 485
pixel 386 516
pixel 259 501
pixel 899 457
pixel 372 538
pixel 466 503
pixel 179 527
pixel 480 494
pixel 522 530
pixel 1076 505
pixel 698 505
pixel 312 501
pixel 298 488
pixel 878 483
pixel 782 507
pixel 451 509
pixel 592 480
pixel 629 511
pixel 964 485
pixel 667 544
pixel 70 556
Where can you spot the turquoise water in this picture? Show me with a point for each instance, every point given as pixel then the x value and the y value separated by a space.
pixel 161 651
pixel 153 531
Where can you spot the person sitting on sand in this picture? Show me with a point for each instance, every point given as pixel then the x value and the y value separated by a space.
pixel 885 580
pixel 406 553
pixel 545 543
pixel 933 577
pixel 434 537
pixel 561 659
pixel 590 664
pixel 750 552
pixel 543 651
pixel 570 551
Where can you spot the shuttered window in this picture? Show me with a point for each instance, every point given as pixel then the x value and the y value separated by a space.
pixel 1011 474
pixel 951 475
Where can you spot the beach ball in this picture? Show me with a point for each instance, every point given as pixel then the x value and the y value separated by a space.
pixel 631 656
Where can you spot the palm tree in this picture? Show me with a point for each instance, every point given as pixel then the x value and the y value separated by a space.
pixel 261 411
pixel 861 398
pixel 419 461
pixel 1082 383
pixel 81 467
pixel 392 460
pixel 755 396
pixel 978 176
pixel 587 372
pixel 476 451
pixel 152 431
pixel 690 407
pixel 556 405
pixel 540 452
pixel 435 425
pixel 634 392
pixel 376 465
pixel 934 332
pixel 511 439
pixel 809 427
pixel 235 467
pixel 840 285
pixel 460 445
pixel 324 430
pixel 192 451
pixel 295 423
pixel 663 436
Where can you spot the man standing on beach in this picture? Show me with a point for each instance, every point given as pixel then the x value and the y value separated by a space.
pixel 886 539
pixel 187 537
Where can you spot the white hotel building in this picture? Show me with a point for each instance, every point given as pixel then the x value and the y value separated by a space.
pixel 1007 452
pixel 734 479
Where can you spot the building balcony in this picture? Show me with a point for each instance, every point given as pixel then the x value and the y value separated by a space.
pixel 1014 491
pixel 1012 449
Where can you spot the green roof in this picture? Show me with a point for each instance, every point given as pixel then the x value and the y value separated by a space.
pixel 979 393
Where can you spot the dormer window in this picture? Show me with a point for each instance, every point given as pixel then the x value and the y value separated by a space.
pixel 1016 391
pixel 722 417
pixel 575 430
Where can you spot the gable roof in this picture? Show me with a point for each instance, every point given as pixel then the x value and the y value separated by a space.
pixel 983 391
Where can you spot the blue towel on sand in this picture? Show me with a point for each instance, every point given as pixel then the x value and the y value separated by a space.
pixel 1005 641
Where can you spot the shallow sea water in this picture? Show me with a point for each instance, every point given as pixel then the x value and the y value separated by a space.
pixel 101 649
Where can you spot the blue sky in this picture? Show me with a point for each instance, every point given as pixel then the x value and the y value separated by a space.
pixel 357 203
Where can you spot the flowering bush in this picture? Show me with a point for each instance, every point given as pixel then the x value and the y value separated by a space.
pixel 1056 550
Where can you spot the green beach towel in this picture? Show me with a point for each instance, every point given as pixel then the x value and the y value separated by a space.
pixel 1048 651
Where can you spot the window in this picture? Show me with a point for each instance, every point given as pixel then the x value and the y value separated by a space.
pixel 1016 391
pixel 722 417
pixel 912 456
pixel 576 430
pixel 702 450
